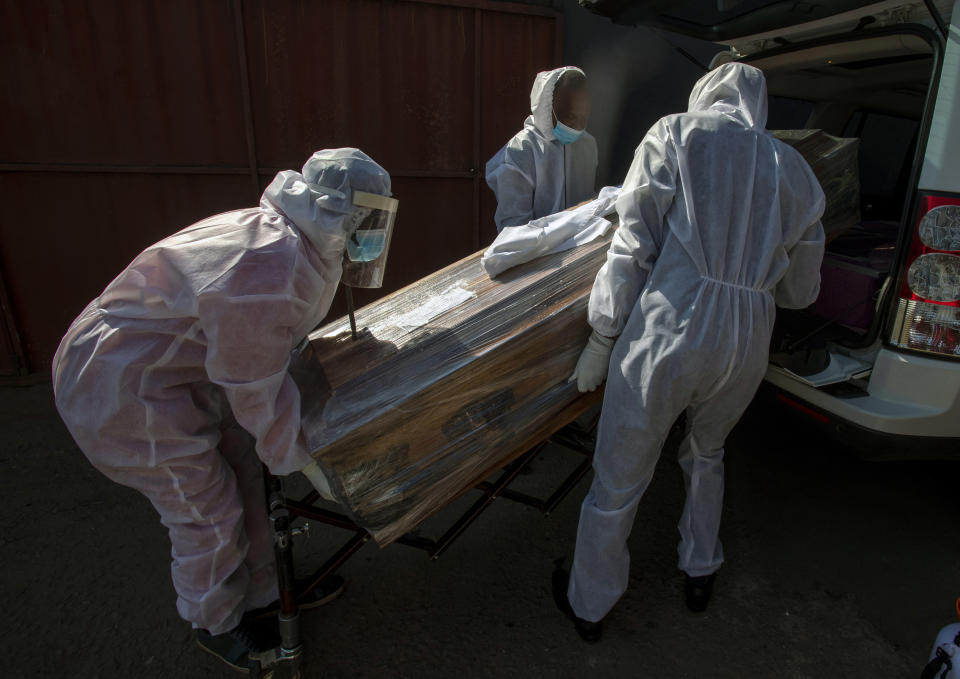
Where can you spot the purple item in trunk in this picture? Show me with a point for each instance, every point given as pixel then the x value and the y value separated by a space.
pixel 847 292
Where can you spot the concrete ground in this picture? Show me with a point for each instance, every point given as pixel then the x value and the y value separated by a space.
pixel 835 568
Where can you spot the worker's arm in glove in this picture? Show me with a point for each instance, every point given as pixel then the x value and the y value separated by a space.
pixel 800 285
pixel 647 195
pixel 594 361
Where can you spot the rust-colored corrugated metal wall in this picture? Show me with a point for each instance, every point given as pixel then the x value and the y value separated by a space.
pixel 128 121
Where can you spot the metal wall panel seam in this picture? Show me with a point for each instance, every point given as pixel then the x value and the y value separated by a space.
pixel 13 335
pixel 477 110
pixel 241 39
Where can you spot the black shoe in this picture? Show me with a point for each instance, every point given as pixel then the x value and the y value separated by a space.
pixel 588 631
pixel 330 589
pixel 242 648
pixel 697 591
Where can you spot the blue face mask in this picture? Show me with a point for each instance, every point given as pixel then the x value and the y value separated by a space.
pixel 564 134
pixel 366 245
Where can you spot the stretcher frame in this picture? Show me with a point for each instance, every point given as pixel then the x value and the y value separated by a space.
pixel 285 662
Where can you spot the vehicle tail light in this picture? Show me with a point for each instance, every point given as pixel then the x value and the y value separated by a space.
pixel 927 317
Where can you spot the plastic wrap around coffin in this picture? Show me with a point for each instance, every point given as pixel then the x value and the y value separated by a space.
pixel 456 375
pixel 834 162
pixel 452 378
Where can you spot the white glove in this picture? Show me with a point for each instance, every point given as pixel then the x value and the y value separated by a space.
pixel 318 480
pixel 594 361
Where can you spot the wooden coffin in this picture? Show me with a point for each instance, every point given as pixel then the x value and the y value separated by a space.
pixel 418 410
pixel 457 375
pixel 834 162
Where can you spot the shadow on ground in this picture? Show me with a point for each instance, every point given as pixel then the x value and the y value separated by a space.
pixel 835 568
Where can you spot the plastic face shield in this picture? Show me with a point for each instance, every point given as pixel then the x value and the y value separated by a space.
pixel 365 258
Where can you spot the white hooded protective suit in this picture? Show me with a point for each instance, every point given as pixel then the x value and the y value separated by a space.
pixel 718 221
pixel 173 374
pixel 534 175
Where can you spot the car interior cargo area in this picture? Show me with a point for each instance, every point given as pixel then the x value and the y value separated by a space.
pixel 867 99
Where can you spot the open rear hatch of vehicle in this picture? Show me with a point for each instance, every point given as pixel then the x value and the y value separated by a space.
pixel 872 87
pixel 752 25
pixel 851 69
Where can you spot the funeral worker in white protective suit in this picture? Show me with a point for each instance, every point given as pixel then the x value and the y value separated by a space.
pixel 174 382
pixel 551 164
pixel 719 224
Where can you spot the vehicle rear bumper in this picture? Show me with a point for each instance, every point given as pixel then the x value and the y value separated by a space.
pixel 911 401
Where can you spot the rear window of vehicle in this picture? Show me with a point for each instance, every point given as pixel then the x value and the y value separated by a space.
pixel 885 142
pixel 784 113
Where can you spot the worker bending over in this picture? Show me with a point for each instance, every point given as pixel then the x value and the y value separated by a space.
pixel 174 380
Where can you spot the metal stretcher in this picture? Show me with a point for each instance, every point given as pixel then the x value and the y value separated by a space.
pixel 286 661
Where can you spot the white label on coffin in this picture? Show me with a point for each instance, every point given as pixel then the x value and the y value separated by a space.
pixel 431 308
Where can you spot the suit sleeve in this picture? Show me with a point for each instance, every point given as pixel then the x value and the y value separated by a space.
pixel 511 175
pixel 647 195
pixel 800 285
pixel 249 339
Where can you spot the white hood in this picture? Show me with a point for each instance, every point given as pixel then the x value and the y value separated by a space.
pixel 322 216
pixel 309 210
pixel 541 99
pixel 735 90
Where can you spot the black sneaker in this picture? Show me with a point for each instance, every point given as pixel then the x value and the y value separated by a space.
pixel 697 591
pixel 242 648
pixel 588 631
